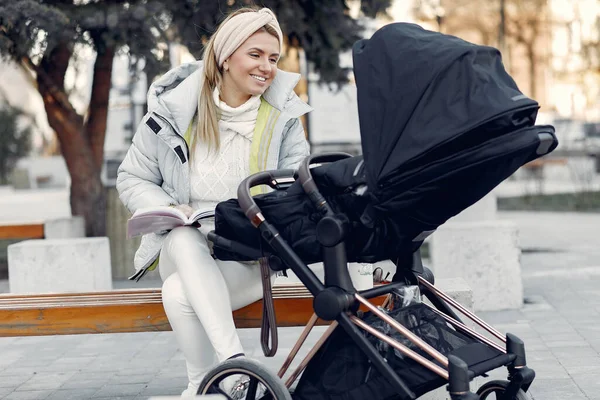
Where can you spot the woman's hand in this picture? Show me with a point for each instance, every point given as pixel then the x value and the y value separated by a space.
pixel 186 209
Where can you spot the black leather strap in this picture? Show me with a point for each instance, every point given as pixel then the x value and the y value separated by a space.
pixel 268 328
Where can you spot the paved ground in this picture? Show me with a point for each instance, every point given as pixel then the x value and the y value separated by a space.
pixel 560 324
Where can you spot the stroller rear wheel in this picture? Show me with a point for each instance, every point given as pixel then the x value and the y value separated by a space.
pixel 494 390
pixel 253 381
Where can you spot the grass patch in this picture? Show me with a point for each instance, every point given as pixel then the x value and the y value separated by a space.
pixel 425 253
pixel 562 202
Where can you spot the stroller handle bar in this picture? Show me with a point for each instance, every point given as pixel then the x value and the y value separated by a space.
pixel 273 179
pixel 305 177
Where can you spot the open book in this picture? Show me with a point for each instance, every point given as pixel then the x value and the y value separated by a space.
pixel 162 218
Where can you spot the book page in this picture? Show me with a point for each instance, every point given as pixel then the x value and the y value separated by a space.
pixel 163 218
pixel 160 211
pixel 200 214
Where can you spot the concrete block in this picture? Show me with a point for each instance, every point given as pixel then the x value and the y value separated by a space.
pixel 458 289
pixel 33 205
pixel 360 273
pixel 61 228
pixel 486 255
pixel 485 209
pixel 59 265
pixel 19 178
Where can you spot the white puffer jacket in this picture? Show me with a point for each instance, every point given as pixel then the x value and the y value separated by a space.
pixel 155 170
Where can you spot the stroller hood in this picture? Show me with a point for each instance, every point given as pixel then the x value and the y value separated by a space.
pixel 418 90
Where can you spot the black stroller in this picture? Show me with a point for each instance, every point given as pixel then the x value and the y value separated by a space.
pixel 442 124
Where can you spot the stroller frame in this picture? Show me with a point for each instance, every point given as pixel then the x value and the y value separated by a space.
pixel 338 301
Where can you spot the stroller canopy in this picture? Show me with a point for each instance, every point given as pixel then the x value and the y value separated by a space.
pixel 418 90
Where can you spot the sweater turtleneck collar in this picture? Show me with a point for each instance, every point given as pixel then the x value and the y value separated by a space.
pixel 240 119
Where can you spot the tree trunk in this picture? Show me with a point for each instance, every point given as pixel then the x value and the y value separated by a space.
pixel 80 148
pixel 87 195
pixel 88 198
pixel 98 109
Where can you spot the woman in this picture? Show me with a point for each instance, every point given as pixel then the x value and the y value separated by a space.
pixel 209 125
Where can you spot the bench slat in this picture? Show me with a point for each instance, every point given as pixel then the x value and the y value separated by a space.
pixel 109 293
pixel 278 289
pixel 126 296
pixel 130 311
pixel 540 162
pixel 119 317
pixel 24 231
pixel 78 320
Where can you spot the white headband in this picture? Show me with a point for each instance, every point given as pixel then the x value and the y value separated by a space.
pixel 234 32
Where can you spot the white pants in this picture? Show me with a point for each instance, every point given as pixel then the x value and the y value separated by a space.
pixel 199 294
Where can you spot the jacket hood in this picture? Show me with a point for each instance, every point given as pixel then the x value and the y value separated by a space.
pixel 174 95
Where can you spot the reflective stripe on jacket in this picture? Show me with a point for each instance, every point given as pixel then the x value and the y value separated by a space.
pixel 155 170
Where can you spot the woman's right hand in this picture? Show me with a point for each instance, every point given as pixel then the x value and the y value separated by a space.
pixel 186 209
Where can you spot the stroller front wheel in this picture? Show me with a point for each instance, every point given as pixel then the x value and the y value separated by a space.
pixel 497 388
pixel 253 381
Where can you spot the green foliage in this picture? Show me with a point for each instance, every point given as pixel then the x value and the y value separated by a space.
pixel 15 141
pixel 323 28
pixel 25 23
pixel 34 27
pixel 584 201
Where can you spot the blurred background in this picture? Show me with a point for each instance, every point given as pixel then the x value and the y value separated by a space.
pixel 74 76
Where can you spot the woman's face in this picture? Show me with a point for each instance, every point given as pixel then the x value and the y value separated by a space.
pixel 251 68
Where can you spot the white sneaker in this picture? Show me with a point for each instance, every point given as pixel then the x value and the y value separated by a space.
pixel 236 387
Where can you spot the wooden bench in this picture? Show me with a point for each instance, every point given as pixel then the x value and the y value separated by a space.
pixel 65 227
pixel 22 231
pixel 119 311
pixel 541 162
pixel 138 310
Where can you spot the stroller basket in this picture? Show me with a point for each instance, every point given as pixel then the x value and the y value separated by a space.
pixel 346 366
pixel 429 326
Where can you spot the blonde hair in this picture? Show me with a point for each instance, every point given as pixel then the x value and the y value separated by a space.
pixel 208 119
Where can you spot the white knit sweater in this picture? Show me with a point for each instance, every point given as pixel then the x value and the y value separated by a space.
pixel 215 176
